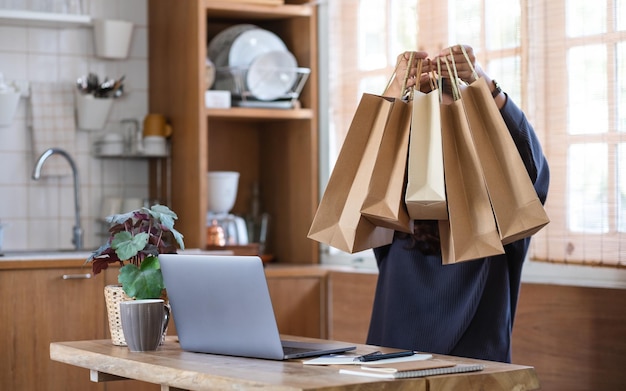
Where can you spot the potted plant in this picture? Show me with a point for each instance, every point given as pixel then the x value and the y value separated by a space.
pixel 136 239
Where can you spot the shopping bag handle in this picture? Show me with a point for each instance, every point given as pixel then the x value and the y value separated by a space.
pixel 469 62
pixel 454 78
pixel 403 91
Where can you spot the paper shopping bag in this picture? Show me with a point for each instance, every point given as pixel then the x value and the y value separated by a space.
pixel 338 221
pixel 384 202
pixel 470 231
pixel 517 208
pixel 425 195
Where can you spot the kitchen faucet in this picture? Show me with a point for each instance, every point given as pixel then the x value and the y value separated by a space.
pixel 77 231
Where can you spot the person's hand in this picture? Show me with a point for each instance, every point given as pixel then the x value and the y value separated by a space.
pixel 466 71
pixel 463 68
pixel 401 72
pixel 455 57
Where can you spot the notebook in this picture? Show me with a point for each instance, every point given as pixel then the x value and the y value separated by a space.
pixel 221 305
pixel 404 370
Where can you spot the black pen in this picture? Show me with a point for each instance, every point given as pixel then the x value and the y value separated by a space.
pixel 375 356
pixel 363 357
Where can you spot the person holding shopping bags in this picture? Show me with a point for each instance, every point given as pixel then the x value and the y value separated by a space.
pixel 464 309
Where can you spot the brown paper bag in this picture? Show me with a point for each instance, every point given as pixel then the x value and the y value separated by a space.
pixel 425 196
pixel 384 202
pixel 517 208
pixel 470 231
pixel 338 221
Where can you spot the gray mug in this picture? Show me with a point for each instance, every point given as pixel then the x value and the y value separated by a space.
pixel 143 323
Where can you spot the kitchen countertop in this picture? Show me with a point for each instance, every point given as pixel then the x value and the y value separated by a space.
pixel 534 272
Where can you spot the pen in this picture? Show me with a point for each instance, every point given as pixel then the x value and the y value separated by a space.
pixel 363 357
pixel 375 356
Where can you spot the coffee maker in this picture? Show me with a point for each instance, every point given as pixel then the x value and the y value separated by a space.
pixel 223 227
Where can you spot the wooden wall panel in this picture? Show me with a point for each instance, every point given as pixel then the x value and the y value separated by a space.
pixel 575 337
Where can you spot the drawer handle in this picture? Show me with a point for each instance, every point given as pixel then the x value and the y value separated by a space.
pixel 85 276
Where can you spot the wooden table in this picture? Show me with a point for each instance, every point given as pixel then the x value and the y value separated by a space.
pixel 175 369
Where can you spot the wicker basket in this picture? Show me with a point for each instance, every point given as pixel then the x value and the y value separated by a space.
pixel 113 296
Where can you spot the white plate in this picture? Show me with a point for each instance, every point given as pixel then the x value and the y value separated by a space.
pixel 271 75
pixel 252 43
pixel 219 46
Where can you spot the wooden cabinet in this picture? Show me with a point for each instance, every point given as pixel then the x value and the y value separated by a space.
pixel 299 300
pixel 39 306
pixel 322 302
pixel 276 148
pixel 51 301
pixel 350 301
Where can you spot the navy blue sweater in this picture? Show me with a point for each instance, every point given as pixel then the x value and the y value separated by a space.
pixel 465 309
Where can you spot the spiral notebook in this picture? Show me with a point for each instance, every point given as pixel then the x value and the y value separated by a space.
pixel 412 369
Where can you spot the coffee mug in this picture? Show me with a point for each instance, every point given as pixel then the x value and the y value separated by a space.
pixel 156 125
pixel 144 322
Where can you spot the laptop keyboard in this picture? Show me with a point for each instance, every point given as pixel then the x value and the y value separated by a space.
pixel 294 350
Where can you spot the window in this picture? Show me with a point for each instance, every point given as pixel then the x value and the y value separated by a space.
pixel 586 132
pixel 364 39
pixel 562 61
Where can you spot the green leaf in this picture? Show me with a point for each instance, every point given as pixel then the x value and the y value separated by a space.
pixel 119 218
pixel 164 215
pixel 145 282
pixel 127 246
pixel 179 238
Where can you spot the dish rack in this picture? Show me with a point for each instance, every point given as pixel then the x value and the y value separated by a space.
pixel 233 79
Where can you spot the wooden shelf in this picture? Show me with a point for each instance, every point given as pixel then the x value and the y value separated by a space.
pixel 275 149
pixel 238 11
pixel 43 19
pixel 259 114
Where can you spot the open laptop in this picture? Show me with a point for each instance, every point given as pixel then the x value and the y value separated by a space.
pixel 221 305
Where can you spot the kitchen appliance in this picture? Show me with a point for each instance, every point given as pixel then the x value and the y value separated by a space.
pixel 223 227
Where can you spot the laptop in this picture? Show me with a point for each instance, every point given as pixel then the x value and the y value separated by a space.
pixel 221 305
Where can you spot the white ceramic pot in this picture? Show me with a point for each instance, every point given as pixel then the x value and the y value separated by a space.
pixel 222 190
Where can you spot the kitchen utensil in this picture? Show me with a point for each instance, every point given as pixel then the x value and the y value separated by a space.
pixel 252 43
pixel 108 88
pixel 271 75
pixel 219 46
pixel 226 228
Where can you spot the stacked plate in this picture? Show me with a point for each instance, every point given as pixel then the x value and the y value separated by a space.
pixel 256 61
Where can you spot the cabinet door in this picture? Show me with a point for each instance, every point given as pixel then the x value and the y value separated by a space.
pixel 297 303
pixel 39 306
pixel 351 296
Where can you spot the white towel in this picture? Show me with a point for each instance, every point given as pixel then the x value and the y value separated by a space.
pixel 52 124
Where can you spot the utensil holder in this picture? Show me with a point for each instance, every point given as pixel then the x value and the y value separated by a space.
pixel 92 112
pixel 112 38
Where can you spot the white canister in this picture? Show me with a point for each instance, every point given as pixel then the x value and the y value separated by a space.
pixel 222 190
pixel 9 98
pixel 154 146
pixel 112 37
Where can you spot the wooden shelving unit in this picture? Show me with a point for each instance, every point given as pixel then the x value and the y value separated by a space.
pixel 276 148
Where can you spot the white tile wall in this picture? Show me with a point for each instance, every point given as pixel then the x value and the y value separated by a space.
pixel 40 214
